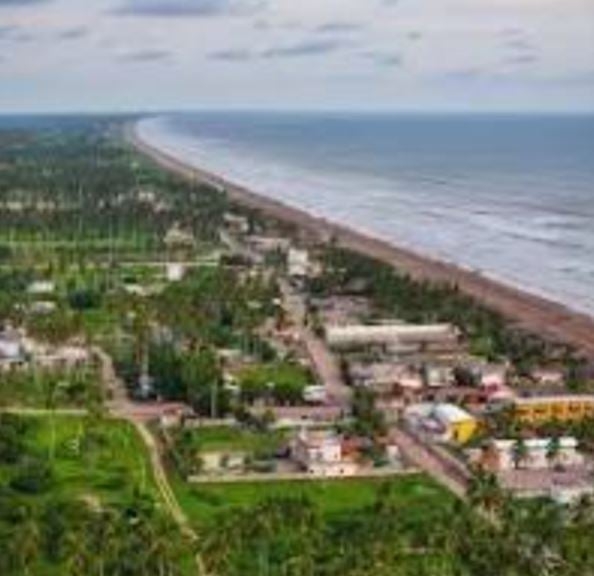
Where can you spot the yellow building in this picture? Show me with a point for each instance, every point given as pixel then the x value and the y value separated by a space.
pixel 460 426
pixel 563 408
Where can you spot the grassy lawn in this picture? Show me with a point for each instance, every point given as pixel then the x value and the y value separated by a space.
pixel 106 461
pixel 223 438
pixel 420 497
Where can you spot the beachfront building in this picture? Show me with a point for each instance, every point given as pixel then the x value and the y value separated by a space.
pixel 320 453
pixel 407 336
pixel 298 265
pixel 537 454
pixel 563 408
pixel 441 421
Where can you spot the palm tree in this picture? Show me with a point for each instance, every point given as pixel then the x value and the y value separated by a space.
pixel 520 452
pixel 553 449
pixel 484 491
pixel 27 541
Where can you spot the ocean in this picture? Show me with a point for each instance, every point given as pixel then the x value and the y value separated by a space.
pixel 509 196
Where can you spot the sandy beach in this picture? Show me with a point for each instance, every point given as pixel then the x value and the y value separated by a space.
pixel 545 317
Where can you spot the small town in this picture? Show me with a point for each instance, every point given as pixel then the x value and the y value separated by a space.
pixel 161 341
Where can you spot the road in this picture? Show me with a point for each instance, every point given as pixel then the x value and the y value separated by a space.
pixel 432 462
pixel 120 406
pixel 323 360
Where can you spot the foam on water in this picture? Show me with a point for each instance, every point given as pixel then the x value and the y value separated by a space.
pixel 512 198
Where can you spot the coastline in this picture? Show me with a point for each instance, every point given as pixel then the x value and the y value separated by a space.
pixel 548 318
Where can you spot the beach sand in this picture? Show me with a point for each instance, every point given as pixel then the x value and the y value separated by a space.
pixel 549 319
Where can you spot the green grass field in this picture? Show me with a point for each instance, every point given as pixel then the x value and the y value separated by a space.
pixel 105 462
pixel 419 496
pixel 223 438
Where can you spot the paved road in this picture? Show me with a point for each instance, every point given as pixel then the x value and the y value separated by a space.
pixel 442 470
pixel 324 362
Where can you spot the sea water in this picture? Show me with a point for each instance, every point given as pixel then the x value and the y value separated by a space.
pixel 509 196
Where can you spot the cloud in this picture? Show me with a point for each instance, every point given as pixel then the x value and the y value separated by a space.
pixel 197 8
pixel 145 56
pixel 73 33
pixel 463 74
pixel 414 35
pixel 237 55
pixel 522 59
pixel 14 34
pixel 21 2
pixel 7 30
pixel 385 59
pixel 338 27
pixel 305 48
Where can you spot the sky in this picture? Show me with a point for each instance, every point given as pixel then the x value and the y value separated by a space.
pixel 421 55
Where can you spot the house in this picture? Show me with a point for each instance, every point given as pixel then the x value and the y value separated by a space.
pixel 178 238
pixel 439 376
pixel 174 272
pixel 63 357
pixel 41 287
pixel 320 453
pixel 41 307
pixel 236 223
pixel 298 265
pixel 315 395
pixel 539 454
pixel 441 421
pixel 11 350
pixel 564 408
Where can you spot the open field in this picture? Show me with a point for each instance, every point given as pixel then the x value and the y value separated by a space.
pixel 419 496
pixel 104 461
pixel 223 438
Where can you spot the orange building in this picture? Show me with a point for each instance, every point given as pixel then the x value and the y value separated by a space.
pixel 563 408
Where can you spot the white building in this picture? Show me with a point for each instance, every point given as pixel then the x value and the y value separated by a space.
pixel 298 263
pixel 386 334
pixel 174 272
pixel 315 394
pixel 11 350
pixel 501 455
pixel 41 287
pixel 319 453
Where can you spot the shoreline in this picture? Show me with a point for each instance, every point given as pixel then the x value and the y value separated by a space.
pixel 545 317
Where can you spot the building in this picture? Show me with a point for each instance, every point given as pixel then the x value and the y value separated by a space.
pixel 416 336
pixel 441 421
pixel 298 265
pixel 41 287
pixel 315 395
pixel 174 272
pixel 439 376
pixel 564 408
pixel 11 350
pixel 501 455
pixel 320 453
pixel 178 238
pixel 236 223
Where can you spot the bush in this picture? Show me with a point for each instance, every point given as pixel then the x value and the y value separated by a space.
pixel 34 476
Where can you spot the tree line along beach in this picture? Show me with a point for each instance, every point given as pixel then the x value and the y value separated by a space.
pixel 542 316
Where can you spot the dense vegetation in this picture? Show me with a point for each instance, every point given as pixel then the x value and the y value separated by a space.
pixel 488 333
pixel 77 498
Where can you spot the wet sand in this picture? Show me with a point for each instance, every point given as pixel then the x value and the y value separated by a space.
pixel 539 315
